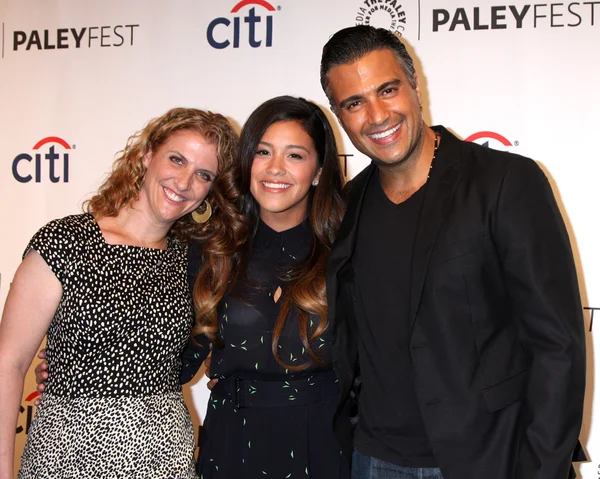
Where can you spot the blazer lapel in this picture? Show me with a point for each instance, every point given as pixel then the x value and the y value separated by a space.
pixel 440 190
pixel 342 249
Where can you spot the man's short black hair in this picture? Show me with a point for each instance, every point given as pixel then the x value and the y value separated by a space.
pixel 352 43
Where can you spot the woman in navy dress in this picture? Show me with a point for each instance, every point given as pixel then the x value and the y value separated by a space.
pixel 259 294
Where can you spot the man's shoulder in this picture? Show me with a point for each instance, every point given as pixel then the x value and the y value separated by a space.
pixel 487 159
pixel 354 184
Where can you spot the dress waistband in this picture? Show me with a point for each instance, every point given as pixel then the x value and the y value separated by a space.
pixel 244 392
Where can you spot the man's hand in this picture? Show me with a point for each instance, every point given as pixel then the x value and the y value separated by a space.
pixel 211 384
pixel 41 375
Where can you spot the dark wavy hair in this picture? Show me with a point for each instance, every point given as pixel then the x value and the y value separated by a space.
pixel 121 188
pixel 305 290
pixel 223 261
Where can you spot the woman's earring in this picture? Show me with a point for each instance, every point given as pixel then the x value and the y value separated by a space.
pixel 315 182
pixel 203 213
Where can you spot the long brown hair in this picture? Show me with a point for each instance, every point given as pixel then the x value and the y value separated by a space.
pixel 305 289
pixel 222 248
pixel 121 188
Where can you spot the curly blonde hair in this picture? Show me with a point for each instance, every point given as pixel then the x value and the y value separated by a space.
pixel 122 186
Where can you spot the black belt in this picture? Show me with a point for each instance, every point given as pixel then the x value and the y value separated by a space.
pixel 247 392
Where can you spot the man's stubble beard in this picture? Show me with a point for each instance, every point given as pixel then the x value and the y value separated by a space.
pixel 413 153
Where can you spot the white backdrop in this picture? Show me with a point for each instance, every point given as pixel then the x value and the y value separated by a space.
pixel 77 78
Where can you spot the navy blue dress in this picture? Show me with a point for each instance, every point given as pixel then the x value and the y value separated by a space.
pixel 278 427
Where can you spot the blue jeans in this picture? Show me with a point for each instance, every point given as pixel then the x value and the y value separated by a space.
pixel 367 467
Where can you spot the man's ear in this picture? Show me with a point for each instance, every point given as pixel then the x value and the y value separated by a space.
pixel 418 88
pixel 334 110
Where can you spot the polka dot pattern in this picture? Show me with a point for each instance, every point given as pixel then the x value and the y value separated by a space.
pixel 113 405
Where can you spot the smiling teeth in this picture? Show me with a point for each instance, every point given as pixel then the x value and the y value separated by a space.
pixel 282 186
pixel 173 196
pixel 384 134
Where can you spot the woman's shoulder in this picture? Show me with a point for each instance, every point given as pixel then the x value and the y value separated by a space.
pixel 71 223
pixel 194 255
pixel 195 246
pixel 67 231
pixel 61 241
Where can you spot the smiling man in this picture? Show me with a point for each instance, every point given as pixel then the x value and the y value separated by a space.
pixel 452 291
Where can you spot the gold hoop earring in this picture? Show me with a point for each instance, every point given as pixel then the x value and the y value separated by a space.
pixel 203 213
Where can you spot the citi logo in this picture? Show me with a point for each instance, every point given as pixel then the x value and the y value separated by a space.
pixel 28 411
pixel 220 33
pixel 26 167
pixel 490 139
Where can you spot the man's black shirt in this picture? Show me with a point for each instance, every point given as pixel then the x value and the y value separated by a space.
pixel 390 426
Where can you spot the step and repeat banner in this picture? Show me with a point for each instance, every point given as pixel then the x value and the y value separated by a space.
pixel 77 78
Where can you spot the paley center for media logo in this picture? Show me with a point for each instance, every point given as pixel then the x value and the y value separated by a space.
pixel 256 22
pixel 388 14
pixel 491 139
pixel 49 161
pixel 393 14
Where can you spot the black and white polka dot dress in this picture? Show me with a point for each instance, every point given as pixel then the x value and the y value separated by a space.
pixel 113 406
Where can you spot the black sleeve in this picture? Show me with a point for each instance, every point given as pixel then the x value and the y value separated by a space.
pixel 541 280
pixel 193 356
pixel 198 347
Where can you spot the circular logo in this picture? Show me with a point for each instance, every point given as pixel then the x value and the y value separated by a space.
pixel 388 14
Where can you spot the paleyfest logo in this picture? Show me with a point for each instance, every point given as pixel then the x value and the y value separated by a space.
pixel 81 37
pixel 505 17
pixel 491 139
pixel 221 34
pixel 389 14
pixel 54 167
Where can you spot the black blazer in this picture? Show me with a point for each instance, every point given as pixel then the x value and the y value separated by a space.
pixel 497 345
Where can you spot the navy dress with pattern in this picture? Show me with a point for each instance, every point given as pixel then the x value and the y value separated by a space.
pixel 294 441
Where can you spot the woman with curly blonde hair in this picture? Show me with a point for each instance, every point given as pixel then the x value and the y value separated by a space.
pixel 109 287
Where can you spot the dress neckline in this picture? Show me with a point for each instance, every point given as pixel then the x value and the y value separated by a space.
pixel 100 236
pixel 296 240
